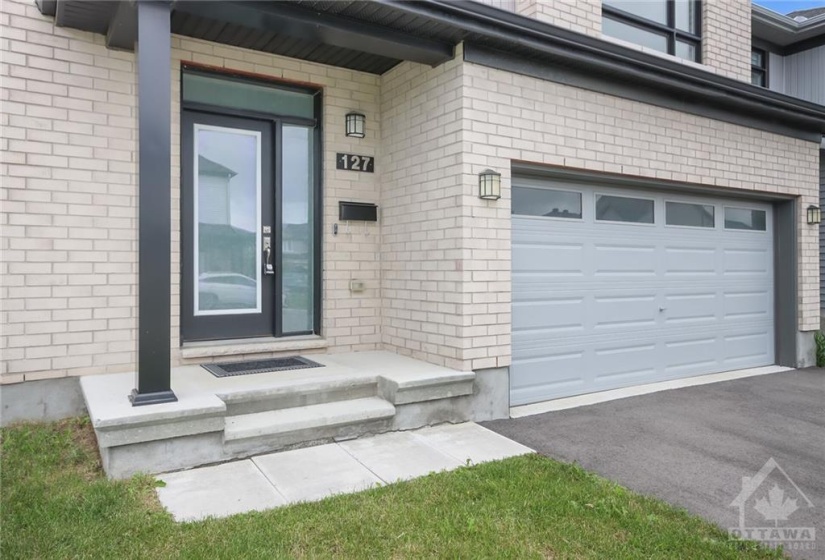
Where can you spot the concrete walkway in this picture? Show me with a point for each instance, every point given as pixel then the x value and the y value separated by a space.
pixel 314 473
pixel 694 446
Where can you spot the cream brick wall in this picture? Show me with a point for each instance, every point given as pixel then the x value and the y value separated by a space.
pixel 421 213
pixel 584 16
pixel 727 37
pixel 68 199
pixel 69 196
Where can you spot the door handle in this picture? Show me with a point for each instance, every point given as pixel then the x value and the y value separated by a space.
pixel 268 268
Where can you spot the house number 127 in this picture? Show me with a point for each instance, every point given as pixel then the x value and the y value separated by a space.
pixel 352 162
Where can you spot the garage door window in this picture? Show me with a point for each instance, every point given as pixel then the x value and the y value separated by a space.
pixel 547 203
pixel 745 218
pixel 692 215
pixel 624 209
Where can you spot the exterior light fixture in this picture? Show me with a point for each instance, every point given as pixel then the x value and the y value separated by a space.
pixel 814 214
pixel 489 185
pixel 356 125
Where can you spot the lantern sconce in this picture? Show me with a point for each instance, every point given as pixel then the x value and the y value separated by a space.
pixel 814 214
pixel 356 125
pixel 489 185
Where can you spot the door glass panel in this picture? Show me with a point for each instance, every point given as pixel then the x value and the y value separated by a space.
pixel 624 209
pixel 745 218
pixel 685 214
pixel 227 191
pixel 633 34
pixel 545 202
pixel 297 239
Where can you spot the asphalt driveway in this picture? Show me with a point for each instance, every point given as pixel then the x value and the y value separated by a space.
pixel 693 446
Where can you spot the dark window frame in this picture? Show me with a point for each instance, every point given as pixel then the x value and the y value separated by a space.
pixel 669 30
pixel 761 70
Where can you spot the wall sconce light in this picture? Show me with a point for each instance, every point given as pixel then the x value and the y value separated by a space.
pixel 489 185
pixel 356 125
pixel 814 214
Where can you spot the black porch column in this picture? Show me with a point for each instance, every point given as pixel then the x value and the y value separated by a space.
pixel 153 383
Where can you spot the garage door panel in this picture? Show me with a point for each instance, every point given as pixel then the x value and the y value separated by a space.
pixel 623 362
pixel 690 261
pixel 614 260
pixel 753 304
pixel 750 347
pixel 747 262
pixel 549 315
pixel 551 258
pixel 628 312
pixel 602 305
pixel 691 308
pixel 688 355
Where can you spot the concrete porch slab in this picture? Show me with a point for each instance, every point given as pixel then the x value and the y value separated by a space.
pixel 315 473
pixel 198 428
pixel 217 491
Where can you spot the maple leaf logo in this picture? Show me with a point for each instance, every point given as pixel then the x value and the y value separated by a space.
pixel 776 507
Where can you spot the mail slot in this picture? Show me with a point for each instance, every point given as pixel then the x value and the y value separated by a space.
pixel 357 211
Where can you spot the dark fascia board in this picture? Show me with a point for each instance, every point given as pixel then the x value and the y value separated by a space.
pixel 789 36
pixel 618 63
pixel 46 7
pixel 281 17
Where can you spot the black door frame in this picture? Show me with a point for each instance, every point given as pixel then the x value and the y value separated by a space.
pixel 277 122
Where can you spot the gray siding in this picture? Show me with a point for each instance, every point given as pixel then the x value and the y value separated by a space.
pixel 801 75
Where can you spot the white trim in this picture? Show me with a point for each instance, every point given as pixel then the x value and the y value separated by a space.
pixel 258 249
pixel 604 396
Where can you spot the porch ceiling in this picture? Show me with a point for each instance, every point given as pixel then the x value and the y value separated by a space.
pixel 359 35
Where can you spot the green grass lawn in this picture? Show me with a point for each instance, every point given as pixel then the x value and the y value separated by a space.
pixel 56 503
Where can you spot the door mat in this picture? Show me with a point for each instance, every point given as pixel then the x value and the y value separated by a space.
pixel 260 366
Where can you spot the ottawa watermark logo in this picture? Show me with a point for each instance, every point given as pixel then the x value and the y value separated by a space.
pixel 767 504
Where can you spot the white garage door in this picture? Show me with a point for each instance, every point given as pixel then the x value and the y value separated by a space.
pixel 616 287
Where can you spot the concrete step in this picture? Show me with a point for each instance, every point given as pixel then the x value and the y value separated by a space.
pixel 247 434
pixel 299 394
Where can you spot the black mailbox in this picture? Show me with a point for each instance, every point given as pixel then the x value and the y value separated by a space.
pixel 357 211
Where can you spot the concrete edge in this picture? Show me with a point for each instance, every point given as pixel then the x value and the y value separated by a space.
pixel 44 400
pixel 615 394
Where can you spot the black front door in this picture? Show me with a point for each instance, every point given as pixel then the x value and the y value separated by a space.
pixel 228 233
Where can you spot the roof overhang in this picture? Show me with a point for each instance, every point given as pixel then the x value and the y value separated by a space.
pixel 374 36
pixel 785 35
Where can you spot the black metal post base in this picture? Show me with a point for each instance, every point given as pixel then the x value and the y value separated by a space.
pixel 142 399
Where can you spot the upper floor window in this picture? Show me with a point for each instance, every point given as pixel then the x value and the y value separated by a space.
pixel 759 67
pixel 670 26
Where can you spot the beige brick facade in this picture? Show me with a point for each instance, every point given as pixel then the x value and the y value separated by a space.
pixel 583 16
pixel 436 268
pixel 726 37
